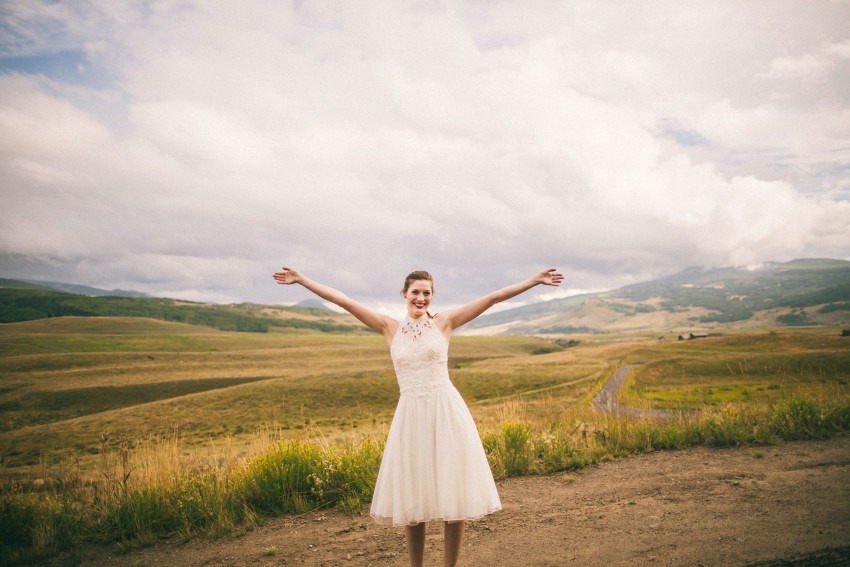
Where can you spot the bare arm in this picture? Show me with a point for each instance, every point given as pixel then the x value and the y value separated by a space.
pixel 454 318
pixel 372 319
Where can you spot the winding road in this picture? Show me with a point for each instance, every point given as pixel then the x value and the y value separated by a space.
pixel 605 401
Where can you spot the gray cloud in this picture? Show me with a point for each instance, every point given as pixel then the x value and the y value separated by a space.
pixel 481 141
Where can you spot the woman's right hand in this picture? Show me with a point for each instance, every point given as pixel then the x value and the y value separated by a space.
pixel 549 277
pixel 288 276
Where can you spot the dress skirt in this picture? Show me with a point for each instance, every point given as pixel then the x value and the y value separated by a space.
pixel 434 466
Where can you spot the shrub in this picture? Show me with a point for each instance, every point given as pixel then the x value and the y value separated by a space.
pixel 799 418
pixel 510 450
pixel 295 476
pixel 556 452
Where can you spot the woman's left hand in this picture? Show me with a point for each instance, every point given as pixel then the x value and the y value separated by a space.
pixel 288 276
pixel 549 277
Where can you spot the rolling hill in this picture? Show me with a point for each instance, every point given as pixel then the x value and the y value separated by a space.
pixel 28 301
pixel 796 293
pixel 70 288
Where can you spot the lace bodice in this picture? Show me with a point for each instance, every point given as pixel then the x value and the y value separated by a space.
pixel 420 354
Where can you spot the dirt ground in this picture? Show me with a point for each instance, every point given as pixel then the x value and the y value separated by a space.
pixel 787 504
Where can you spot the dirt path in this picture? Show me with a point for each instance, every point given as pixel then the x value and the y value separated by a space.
pixel 605 401
pixel 787 504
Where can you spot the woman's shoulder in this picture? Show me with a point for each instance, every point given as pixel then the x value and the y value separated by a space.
pixel 443 323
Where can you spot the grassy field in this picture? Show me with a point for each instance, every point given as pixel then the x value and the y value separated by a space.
pixel 124 430
pixel 759 366
pixel 67 382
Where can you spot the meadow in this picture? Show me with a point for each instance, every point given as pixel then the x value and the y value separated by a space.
pixel 126 430
pixel 757 366
pixel 67 382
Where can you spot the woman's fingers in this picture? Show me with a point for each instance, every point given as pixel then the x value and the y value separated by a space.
pixel 287 276
pixel 552 276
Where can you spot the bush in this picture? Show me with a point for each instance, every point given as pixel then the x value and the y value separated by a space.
pixel 555 452
pixel 793 319
pixel 295 476
pixel 803 418
pixel 725 431
pixel 510 450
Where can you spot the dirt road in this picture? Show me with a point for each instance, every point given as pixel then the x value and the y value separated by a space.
pixel 605 401
pixel 787 504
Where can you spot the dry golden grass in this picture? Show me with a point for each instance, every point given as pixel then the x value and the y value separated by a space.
pixel 180 396
pixel 67 382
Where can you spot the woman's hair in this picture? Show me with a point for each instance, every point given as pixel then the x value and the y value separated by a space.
pixel 415 276
pixel 418 275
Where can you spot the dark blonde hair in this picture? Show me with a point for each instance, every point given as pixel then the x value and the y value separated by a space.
pixel 417 276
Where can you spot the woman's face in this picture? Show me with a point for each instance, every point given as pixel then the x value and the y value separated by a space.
pixel 418 297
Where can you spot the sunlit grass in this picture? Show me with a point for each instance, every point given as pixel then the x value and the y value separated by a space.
pixel 760 367
pixel 129 378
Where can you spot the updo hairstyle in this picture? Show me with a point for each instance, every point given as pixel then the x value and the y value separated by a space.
pixel 418 275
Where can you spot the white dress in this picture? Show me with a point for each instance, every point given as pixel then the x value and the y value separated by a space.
pixel 434 466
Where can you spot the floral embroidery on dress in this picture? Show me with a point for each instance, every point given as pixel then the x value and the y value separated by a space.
pixel 420 357
pixel 415 328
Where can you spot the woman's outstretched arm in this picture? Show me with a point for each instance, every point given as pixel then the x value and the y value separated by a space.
pixel 372 319
pixel 462 315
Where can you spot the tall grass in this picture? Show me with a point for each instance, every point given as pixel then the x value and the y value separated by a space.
pixel 147 493
pixel 42 518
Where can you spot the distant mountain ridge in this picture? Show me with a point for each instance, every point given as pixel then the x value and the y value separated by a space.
pixel 311 303
pixel 799 292
pixel 795 293
pixel 70 288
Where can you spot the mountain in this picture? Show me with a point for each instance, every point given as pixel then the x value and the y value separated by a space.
pixel 69 288
pixel 800 292
pixel 312 303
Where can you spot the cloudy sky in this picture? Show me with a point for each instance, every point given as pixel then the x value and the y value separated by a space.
pixel 191 148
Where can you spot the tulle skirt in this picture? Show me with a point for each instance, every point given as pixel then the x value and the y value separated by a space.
pixel 434 466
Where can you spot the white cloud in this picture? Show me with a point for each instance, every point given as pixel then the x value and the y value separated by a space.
pixel 561 293
pixel 37 125
pixel 800 67
pixel 808 65
pixel 189 131
pixel 840 50
pixel 481 141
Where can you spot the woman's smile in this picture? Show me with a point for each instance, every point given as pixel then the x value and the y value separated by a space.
pixel 418 297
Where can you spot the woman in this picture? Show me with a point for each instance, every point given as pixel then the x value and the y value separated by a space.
pixel 434 466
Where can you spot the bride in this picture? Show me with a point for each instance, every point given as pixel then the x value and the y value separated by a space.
pixel 434 466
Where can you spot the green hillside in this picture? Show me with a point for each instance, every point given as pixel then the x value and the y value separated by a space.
pixel 69 288
pixel 797 293
pixel 19 304
pixel 800 292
